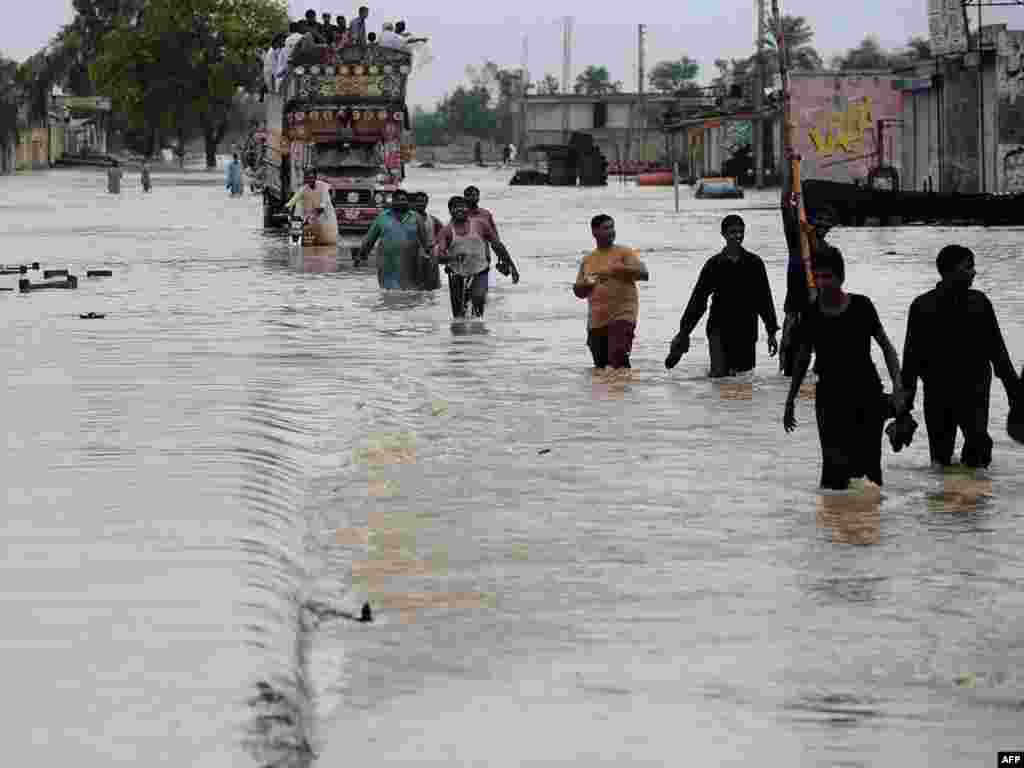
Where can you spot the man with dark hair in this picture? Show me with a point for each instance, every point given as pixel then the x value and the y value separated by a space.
pixel 326 28
pixel 798 294
pixel 429 277
pixel 953 342
pixel 357 29
pixel 850 405
pixel 738 281
pixel 607 280
pixel 403 237
pixel 462 248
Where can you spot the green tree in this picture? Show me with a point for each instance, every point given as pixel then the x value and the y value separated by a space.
pixel 868 55
pixel 9 97
pixel 798 35
pixel 549 86
pixel 187 59
pixel 674 77
pixel 429 128
pixel 595 81
pixel 468 111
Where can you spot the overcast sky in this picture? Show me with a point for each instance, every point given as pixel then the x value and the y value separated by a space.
pixel 467 33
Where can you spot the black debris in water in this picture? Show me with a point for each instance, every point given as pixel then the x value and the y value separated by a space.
pixel 99 273
pixel 93 316
pixel 543 451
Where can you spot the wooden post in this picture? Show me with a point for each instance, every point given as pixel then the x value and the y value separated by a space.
pixel 794 200
pixel 675 172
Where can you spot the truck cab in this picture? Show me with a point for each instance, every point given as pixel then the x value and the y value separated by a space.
pixel 341 111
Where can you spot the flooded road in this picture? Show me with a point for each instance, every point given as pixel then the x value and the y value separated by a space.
pixel 562 569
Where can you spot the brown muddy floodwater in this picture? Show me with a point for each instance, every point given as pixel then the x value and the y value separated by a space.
pixel 563 570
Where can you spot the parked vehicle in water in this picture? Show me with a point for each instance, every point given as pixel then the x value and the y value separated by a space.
pixel 718 188
pixel 347 119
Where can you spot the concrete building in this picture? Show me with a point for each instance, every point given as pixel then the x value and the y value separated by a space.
pixel 622 128
pixel 847 124
pixel 963 117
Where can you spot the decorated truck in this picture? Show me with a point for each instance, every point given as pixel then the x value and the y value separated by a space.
pixel 345 116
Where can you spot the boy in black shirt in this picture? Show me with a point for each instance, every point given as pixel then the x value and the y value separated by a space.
pixel 739 283
pixel 953 342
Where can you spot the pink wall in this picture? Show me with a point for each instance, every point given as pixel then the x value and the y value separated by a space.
pixel 837 124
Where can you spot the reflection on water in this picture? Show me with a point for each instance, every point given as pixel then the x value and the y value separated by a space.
pixel 963 492
pixel 204 488
pixel 853 517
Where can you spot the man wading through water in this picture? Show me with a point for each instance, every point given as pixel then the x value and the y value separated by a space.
pixel 738 281
pixel 607 280
pixel 462 247
pixel 849 403
pixel 403 239
pixel 472 197
pixel 953 342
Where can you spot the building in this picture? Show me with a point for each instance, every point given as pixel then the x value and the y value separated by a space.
pixel 847 125
pixel 963 117
pixel 625 126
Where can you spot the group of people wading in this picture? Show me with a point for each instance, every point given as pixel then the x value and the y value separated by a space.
pixel 824 320
pixel 837 327
pixel 412 244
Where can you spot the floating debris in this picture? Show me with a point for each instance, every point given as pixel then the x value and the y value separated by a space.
pixel 93 316
pixel 48 273
pixel 99 273
pixel 543 451
pixel 25 285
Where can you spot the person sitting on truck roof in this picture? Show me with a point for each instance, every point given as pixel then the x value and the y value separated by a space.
pixel 312 26
pixel 357 29
pixel 326 28
pixel 406 36
pixel 390 39
pixel 342 38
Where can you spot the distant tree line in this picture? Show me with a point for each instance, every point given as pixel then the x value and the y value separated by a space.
pixel 171 67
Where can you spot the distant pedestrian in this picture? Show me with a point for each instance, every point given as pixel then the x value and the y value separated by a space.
pixel 462 247
pixel 147 181
pixel 850 405
pixel 953 343
pixel 114 174
pixel 737 282
pixel 233 176
pixel 607 280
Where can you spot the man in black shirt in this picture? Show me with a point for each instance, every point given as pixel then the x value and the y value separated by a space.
pixel 953 342
pixel 799 295
pixel 739 283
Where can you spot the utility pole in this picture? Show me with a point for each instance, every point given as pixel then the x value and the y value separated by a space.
pixel 566 74
pixel 524 85
pixel 981 106
pixel 641 31
pixel 567 54
pixel 758 125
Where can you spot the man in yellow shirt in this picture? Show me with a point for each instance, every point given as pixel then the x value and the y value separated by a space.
pixel 607 279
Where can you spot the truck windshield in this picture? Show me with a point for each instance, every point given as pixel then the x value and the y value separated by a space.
pixel 350 159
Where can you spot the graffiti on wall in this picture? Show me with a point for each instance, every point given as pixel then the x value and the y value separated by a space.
pixel 838 115
pixel 843 131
